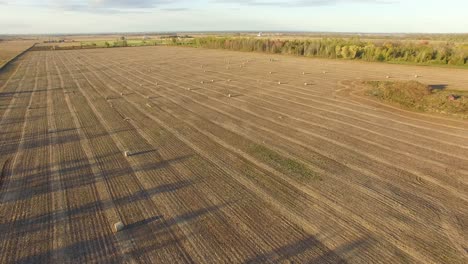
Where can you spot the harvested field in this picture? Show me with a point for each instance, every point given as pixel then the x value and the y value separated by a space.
pixel 206 157
pixel 11 48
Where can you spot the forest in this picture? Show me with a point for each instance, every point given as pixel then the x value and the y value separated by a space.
pixel 421 52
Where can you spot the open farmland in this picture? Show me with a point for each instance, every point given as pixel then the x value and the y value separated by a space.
pixel 232 157
pixel 11 48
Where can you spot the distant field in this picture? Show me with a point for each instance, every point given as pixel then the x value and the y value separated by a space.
pixel 9 49
pixel 431 50
pixel 215 156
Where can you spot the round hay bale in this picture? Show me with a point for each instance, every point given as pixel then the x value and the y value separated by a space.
pixel 119 226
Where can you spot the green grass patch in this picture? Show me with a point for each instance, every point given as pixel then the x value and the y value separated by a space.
pixel 107 44
pixel 416 96
pixel 282 164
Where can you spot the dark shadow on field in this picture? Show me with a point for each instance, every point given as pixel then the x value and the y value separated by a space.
pixel 164 235
pixel 79 252
pixel 146 238
pixel 61 136
pixel 140 223
pixel 4 107
pixel 187 217
pixel 20 120
pixel 8 94
pixel 299 249
pixel 143 152
pixel 75 174
pixel 27 226
pixel 438 87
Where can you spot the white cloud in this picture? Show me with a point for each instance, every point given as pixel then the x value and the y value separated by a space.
pixel 300 3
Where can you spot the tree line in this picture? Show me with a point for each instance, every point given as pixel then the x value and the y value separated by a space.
pixel 422 52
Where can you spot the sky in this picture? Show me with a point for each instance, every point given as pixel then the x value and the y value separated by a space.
pixel 101 16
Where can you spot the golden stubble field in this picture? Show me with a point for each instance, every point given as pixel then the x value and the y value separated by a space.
pixel 232 157
pixel 10 48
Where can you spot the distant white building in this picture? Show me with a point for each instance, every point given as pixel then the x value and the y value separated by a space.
pixel 260 34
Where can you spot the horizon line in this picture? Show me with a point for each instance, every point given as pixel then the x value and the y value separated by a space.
pixel 231 31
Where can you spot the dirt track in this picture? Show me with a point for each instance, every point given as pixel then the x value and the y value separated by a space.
pixel 385 185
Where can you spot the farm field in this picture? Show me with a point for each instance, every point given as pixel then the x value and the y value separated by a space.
pixel 212 156
pixel 10 48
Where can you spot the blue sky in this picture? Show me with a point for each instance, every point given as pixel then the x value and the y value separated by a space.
pixel 91 16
